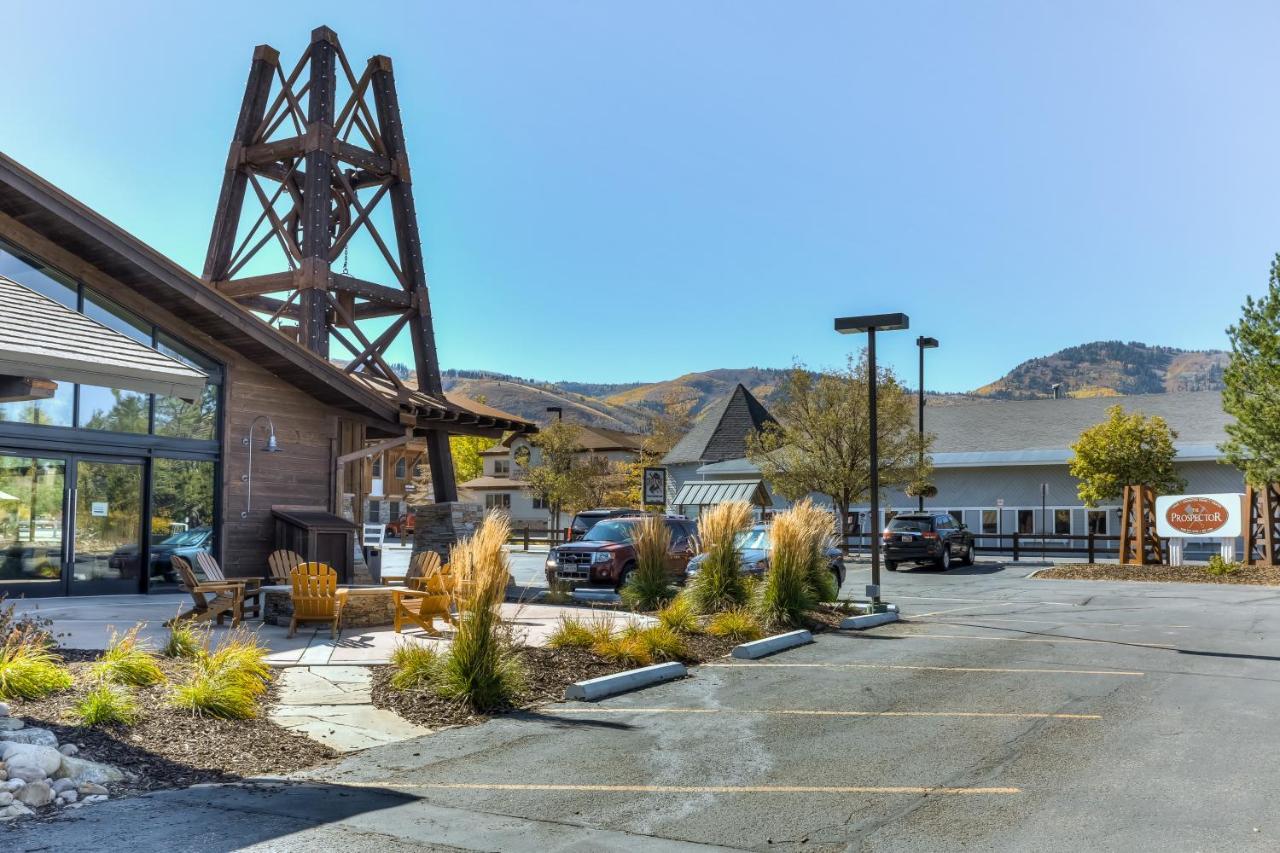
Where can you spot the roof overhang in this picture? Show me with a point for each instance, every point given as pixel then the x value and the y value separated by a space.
pixel 711 492
pixel 1052 456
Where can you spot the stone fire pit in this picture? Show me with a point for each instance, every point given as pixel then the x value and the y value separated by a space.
pixel 368 606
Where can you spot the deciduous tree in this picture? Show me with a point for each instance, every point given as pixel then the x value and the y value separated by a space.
pixel 1124 450
pixel 822 441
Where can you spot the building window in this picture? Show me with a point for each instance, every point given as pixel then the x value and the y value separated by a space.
pixel 181 515
pixel 375 511
pixel 1062 522
pixel 1026 521
pixel 402 468
pixel 501 467
pixel 377 466
pixel 539 503
pixel 958 515
pixel 990 521
pixel 1098 521
pixel 498 501
pixel 393 510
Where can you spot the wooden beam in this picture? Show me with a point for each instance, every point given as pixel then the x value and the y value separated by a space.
pixel 370 290
pixel 256 285
pixel 19 389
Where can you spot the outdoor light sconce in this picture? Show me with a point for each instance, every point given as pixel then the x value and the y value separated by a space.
pixel 270 447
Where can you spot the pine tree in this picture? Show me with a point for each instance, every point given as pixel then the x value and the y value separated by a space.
pixel 1252 392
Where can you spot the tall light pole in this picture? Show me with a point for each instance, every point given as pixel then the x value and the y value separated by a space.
pixel 555 508
pixel 870 323
pixel 923 344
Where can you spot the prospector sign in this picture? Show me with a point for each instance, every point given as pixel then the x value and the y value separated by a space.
pixel 1200 516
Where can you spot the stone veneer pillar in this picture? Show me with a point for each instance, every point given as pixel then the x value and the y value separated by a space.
pixel 436 527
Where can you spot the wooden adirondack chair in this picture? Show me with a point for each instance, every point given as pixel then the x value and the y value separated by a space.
pixel 281 563
pixel 432 598
pixel 420 565
pixel 316 597
pixel 212 599
pixel 250 600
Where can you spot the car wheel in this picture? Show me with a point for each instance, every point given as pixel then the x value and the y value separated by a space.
pixel 968 555
pixel 623 578
pixel 891 565
pixel 835 576
pixel 944 561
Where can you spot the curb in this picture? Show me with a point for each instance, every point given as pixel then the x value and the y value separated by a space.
pixel 772 645
pixel 870 620
pixel 620 682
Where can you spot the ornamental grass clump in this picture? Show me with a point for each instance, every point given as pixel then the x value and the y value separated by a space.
pixel 793 584
pixel 718 583
pixel 105 705
pixel 29 670
pixel 127 661
pixel 243 658
pixel 649 585
pixel 739 625
pixel 572 633
pixel 479 667
pixel 413 666
pixel 679 616
pixel 627 648
pixel 227 682
pixel 185 641
pixel 662 642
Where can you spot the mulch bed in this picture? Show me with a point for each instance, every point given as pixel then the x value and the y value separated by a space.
pixel 167 747
pixel 1248 575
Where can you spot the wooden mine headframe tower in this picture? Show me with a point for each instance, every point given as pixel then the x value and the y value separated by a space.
pixel 318 169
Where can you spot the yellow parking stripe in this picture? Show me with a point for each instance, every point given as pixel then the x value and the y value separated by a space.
pixel 1026 639
pixel 690 789
pixel 1027 715
pixel 925 668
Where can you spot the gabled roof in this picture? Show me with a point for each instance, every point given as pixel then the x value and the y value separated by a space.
pixel 721 433
pixel 61 219
pixel 39 335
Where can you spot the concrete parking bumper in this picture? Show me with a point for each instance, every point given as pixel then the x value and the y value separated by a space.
pixel 772 645
pixel 620 682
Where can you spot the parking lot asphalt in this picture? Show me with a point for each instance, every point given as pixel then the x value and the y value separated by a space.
pixel 1007 713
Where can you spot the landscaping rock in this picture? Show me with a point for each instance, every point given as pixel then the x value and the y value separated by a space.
pixel 35 794
pixel 60 785
pixel 4 775
pixel 81 770
pixel 67 797
pixel 32 763
pixel 11 724
pixel 69 749
pixel 96 798
pixel 6 798
pixel 15 810
pixel 91 789
pixel 14 784
pixel 4 709
pixel 30 735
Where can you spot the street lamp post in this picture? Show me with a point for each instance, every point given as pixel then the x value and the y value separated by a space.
pixel 923 343
pixel 555 510
pixel 870 323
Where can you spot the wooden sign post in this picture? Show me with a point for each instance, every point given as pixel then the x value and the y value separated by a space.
pixel 1139 542
pixel 1262 532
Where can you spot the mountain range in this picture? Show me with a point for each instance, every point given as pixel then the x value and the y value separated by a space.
pixel 1100 368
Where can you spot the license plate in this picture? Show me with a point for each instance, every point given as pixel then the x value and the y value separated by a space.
pixel 904 538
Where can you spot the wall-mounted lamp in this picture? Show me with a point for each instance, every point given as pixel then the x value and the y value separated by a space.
pixel 270 447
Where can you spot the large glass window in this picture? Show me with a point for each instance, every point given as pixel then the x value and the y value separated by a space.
pixel 113 409
pixel 31 493
pixel 181 515
pixel 1026 521
pixel 1062 522
pixel 990 522
pixel 1098 522
pixel 51 411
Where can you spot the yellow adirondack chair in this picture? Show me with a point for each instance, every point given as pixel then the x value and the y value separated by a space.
pixel 281 563
pixel 316 597
pixel 432 598
pixel 420 565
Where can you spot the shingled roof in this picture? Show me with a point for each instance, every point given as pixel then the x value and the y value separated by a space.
pixel 721 432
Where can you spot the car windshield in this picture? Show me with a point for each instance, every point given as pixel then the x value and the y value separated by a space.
pixel 914 525
pixel 756 539
pixel 186 537
pixel 610 531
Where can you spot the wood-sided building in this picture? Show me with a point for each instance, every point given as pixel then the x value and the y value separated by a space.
pixel 99 486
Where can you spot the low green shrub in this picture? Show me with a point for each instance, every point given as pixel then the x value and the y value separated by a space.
pixel 739 625
pixel 572 633
pixel 414 665
pixel 627 648
pixel 215 693
pixel 662 642
pixel 1219 567
pixel 185 640
pixel 105 705
pixel 30 671
pixel 679 616
pixel 242 658
pixel 126 661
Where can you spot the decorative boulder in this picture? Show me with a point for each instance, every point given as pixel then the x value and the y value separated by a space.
pixel 4 709
pixel 68 797
pixel 61 785
pixel 69 749
pixel 80 770
pixel 10 724
pixel 35 794
pixel 91 789
pixel 29 735
pixel 30 762
pixel 14 810
pixel 6 798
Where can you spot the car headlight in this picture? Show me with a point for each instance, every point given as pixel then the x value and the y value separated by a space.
pixel 601 557
pixel 551 562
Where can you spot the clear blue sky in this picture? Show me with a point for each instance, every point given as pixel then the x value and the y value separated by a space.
pixel 617 192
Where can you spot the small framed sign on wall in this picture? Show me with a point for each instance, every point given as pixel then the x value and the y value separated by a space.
pixel 654 487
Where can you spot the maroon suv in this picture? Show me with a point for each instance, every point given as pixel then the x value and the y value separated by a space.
pixel 605 556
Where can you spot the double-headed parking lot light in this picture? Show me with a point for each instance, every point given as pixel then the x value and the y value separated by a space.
pixel 870 324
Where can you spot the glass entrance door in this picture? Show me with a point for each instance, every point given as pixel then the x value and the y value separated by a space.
pixel 32 500
pixel 107 501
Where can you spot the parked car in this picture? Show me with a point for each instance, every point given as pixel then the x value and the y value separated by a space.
pixel 401 527
pixel 585 520
pixel 605 555
pixel 925 537
pixel 753 546
pixel 184 543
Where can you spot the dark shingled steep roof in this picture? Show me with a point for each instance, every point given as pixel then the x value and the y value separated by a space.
pixel 721 432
